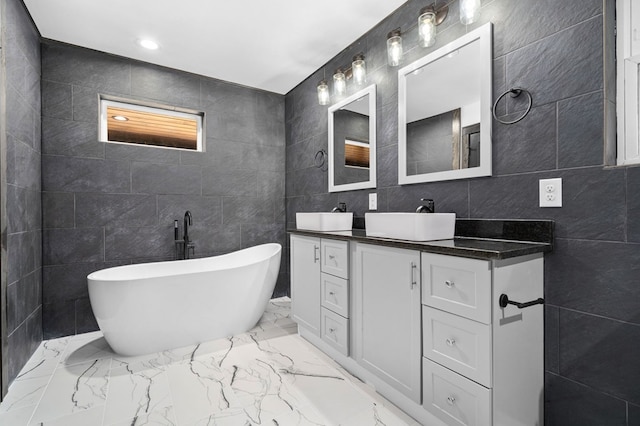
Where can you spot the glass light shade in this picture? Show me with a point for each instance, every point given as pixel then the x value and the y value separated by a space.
pixel 469 11
pixel 339 83
pixel 359 70
pixel 394 50
pixel 427 29
pixel 323 93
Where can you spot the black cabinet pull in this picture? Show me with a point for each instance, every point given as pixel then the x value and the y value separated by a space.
pixel 504 301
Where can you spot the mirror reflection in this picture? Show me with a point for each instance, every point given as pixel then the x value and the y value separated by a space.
pixel 444 101
pixel 352 142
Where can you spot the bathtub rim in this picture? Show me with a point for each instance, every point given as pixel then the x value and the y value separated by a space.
pixel 94 276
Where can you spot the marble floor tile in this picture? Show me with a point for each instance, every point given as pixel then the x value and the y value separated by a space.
pixel 74 388
pixel 18 416
pixel 24 393
pixel 266 376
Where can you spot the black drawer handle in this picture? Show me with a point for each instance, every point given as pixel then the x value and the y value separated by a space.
pixel 504 301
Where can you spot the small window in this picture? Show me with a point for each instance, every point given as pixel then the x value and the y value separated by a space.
pixel 130 123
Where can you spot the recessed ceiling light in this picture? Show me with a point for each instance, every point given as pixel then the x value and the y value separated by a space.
pixel 148 44
pixel 120 118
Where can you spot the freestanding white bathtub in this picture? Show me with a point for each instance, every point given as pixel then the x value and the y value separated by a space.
pixel 152 307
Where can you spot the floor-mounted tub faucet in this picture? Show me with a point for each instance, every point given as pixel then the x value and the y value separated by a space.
pixel 183 246
pixel 188 245
pixel 428 207
pixel 187 223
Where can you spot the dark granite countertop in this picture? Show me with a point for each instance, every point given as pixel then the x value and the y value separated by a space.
pixel 474 238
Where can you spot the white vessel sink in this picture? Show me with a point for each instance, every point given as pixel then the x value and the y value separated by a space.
pixel 411 226
pixel 320 221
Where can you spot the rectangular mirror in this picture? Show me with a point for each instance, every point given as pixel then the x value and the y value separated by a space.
pixel 444 112
pixel 352 142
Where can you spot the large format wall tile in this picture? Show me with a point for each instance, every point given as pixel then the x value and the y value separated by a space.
pixel 633 204
pixel 510 34
pixel 58 210
pixel 573 69
pixel 64 246
pixel 580 131
pixel 21 69
pixel 165 85
pixel 69 174
pixel 84 67
pixel 126 210
pixel 597 213
pixel 596 277
pixel 71 138
pixel 150 178
pixel 601 353
pixel 570 403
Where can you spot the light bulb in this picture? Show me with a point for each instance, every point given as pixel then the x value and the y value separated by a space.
pixel 339 83
pixel 359 70
pixel 469 11
pixel 427 29
pixel 323 93
pixel 394 48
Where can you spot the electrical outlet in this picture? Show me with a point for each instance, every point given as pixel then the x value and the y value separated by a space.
pixel 373 201
pixel 551 192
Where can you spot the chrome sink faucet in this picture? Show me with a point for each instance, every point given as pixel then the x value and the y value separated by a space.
pixel 342 208
pixel 428 207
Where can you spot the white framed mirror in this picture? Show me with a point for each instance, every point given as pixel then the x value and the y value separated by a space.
pixel 352 142
pixel 444 111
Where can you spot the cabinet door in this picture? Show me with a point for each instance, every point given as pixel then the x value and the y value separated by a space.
pixel 305 282
pixel 387 284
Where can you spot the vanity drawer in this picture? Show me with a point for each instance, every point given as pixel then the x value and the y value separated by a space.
pixel 457 343
pixel 335 258
pixel 457 285
pixel 334 330
pixel 334 294
pixel 454 399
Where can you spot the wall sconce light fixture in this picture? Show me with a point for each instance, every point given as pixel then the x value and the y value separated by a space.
pixel 323 93
pixel 428 20
pixel 469 11
pixel 359 70
pixel 394 47
pixel 339 83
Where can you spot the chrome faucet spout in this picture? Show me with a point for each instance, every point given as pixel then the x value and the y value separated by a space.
pixel 187 223
pixel 341 208
pixel 429 207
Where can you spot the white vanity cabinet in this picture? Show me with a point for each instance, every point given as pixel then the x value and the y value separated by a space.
pixel 482 364
pixel 305 282
pixel 320 288
pixel 426 330
pixel 387 315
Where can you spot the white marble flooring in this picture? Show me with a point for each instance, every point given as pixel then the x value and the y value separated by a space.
pixel 267 376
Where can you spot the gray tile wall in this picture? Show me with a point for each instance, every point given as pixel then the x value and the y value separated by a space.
pixel 591 278
pixel 108 204
pixel 21 186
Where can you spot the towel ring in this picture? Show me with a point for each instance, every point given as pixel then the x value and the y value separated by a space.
pixel 319 159
pixel 515 92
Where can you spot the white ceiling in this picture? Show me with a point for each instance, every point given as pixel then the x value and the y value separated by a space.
pixel 271 45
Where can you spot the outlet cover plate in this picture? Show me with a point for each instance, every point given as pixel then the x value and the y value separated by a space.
pixel 373 201
pixel 550 191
